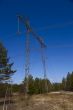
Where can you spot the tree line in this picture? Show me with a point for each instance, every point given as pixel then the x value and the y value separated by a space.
pixel 67 83
pixel 37 85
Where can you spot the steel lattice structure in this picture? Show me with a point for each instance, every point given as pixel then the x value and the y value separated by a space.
pixel 29 31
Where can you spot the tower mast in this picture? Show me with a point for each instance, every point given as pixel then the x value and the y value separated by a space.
pixel 42 45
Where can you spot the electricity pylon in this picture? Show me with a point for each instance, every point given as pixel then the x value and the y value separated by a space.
pixel 29 31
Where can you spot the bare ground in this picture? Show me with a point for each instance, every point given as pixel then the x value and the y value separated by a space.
pixel 50 101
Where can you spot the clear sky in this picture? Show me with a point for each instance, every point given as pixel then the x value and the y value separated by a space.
pixel 53 20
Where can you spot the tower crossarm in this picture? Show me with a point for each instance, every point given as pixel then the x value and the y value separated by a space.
pixel 30 30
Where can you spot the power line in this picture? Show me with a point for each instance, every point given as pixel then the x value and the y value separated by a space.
pixel 55 26
pixel 42 28
pixel 38 49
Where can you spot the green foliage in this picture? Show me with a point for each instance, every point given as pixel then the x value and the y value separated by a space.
pixel 3 56
pixel 2 89
pixel 71 82
pixel 37 85
pixel 6 71
pixel 16 88
pixel 57 87
pixel 5 67
pixel 68 82
pixel 63 83
pixel 30 85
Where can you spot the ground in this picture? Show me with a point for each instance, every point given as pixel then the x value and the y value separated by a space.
pixel 50 101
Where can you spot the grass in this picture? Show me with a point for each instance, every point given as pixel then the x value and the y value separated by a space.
pixel 50 101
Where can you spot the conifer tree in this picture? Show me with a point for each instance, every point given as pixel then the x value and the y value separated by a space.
pixel 5 67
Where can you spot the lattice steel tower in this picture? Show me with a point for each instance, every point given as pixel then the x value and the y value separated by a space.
pixel 29 31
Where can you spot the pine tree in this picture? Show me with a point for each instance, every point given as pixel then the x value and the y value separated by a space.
pixel 68 82
pixel 5 67
pixel 64 84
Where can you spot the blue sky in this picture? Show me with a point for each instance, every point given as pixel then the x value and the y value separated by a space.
pixel 53 20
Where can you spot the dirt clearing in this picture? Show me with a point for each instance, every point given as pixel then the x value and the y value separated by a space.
pixel 50 101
